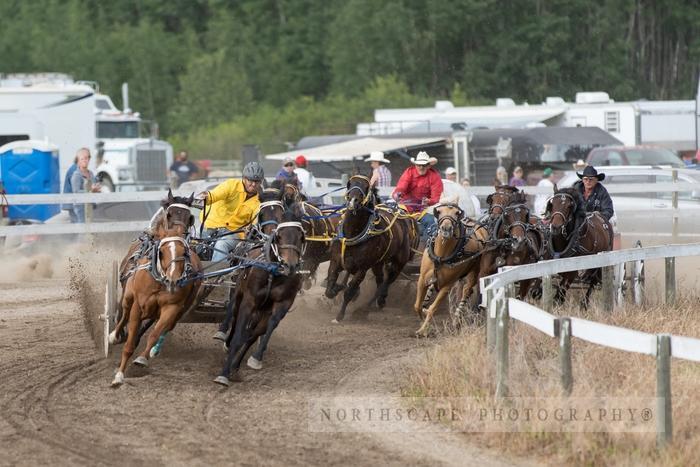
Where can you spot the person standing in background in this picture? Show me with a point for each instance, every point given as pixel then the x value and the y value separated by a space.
pixel 306 179
pixel 68 188
pixel 541 198
pixel 451 174
pixel 501 176
pixel 81 179
pixel 182 170
pixel 381 176
pixel 287 174
pixel 517 178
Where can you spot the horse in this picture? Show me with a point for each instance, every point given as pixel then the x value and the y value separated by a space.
pixel 174 214
pixel 573 232
pixel 268 216
pixel 526 240
pixel 370 236
pixel 265 293
pixel 451 253
pixel 319 227
pixel 162 288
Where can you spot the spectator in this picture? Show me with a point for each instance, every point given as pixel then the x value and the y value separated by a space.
pixel 501 176
pixel 451 174
pixel 381 176
pixel 541 198
pixel 517 178
pixel 688 159
pixel 81 179
pixel 182 170
pixel 68 188
pixel 466 183
pixel 307 182
pixel 579 165
pixel 287 174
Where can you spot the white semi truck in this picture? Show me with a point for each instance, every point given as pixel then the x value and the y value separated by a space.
pixel 71 115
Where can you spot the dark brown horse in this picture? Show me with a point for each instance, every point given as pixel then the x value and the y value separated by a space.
pixel 162 288
pixel 320 228
pixel 370 236
pixel 265 292
pixel 574 232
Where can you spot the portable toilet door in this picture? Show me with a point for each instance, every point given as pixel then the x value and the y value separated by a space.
pixel 30 167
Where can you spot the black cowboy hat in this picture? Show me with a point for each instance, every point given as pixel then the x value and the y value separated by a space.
pixel 590 171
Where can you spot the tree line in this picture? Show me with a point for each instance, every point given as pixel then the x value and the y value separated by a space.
pixel 217 74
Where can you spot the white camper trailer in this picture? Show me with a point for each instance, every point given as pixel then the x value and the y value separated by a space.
pixel 54 108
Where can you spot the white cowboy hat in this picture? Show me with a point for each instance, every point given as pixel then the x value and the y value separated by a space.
pixel 377 156
pixel 423 159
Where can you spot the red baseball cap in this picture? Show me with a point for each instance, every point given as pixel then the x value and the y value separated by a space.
pixel 300 160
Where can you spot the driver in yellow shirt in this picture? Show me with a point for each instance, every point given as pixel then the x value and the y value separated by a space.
pixel 230 206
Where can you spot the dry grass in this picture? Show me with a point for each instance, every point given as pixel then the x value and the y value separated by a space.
pixel 459 366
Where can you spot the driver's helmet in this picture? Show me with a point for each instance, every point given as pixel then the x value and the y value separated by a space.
pixel 253 171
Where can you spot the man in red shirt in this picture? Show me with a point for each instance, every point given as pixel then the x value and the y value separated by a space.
pixel 420 186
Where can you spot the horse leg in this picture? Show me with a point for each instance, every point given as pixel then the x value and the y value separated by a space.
pixel 421 290
pixel 393 271
pixel 129 347
pixel 279 311
pixel 331 287
pixel 524 286
pixel 240 335
pixel 228 318
pixel 442 293
pixel 378 270
pixel 566 279
pixel 470 280
pixel 350 293
pixel 117 336
pixel 166 322
pixel 595 279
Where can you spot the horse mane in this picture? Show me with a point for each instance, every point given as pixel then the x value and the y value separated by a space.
pixel 580 211
pixel 274 192
pixel 518 197
pixel 512 189
pixel 186 200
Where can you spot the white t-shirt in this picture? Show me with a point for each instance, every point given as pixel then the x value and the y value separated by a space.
pixel 308 182
pixel 541 200
pixel 453 190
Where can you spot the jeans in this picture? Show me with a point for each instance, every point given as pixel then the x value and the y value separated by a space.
pixel 426 225
pixel 224 245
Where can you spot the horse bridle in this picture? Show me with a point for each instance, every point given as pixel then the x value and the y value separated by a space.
pixel 455 221
pixel 365 195
pixel 177 222
pixel 162 270
pixel 285 246
pixel 516 207
pixel 565 219
pixel 262 206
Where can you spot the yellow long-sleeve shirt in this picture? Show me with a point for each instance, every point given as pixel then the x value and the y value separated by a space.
pixel 229 206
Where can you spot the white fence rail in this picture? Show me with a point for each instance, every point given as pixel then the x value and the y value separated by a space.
pixel 501 308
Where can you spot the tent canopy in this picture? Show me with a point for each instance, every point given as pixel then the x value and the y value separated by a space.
pixel 356 148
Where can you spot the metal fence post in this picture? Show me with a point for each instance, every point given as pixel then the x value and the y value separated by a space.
pixel 608 277
pixel 567 379
pixel 674 204
pixel 502 350
pixel 547 294
pixel 664 421
pixel 670 274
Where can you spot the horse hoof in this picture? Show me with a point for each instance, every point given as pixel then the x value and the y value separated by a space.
pixel 222 380
pixel 254 363
pixel 118 379
pixel 154 352
pixel 220 336
pixel 335 321
pixel 113 338
pixel 141 361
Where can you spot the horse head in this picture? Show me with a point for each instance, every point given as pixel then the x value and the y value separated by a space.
pixel 177 214
pixel 288 241
pixel 562 208
pixel 448 217
pixel 271 207
pixel 516 218
pixel 498 200
pixel 292 194
pixel 359 193
pixel 173 259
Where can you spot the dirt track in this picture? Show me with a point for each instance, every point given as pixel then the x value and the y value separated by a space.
pixel 56 405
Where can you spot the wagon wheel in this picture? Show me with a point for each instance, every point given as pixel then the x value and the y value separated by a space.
pixel 110 315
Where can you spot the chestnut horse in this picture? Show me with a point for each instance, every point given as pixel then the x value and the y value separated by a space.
pixel 574 232
pixel 370 236
pixel 162 288
pixel 451 253
pixel 265 292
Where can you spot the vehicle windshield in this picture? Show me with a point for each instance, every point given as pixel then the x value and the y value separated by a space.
pixel 653 156
pixel 565 152
pixel 117 130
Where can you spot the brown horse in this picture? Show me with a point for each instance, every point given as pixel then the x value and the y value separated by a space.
pixel 370 236
pixel 162 288
pixel 265 292
pixel 450 254
pixel 573 232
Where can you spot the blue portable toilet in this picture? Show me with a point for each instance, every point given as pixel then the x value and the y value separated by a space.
pixel 30 167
